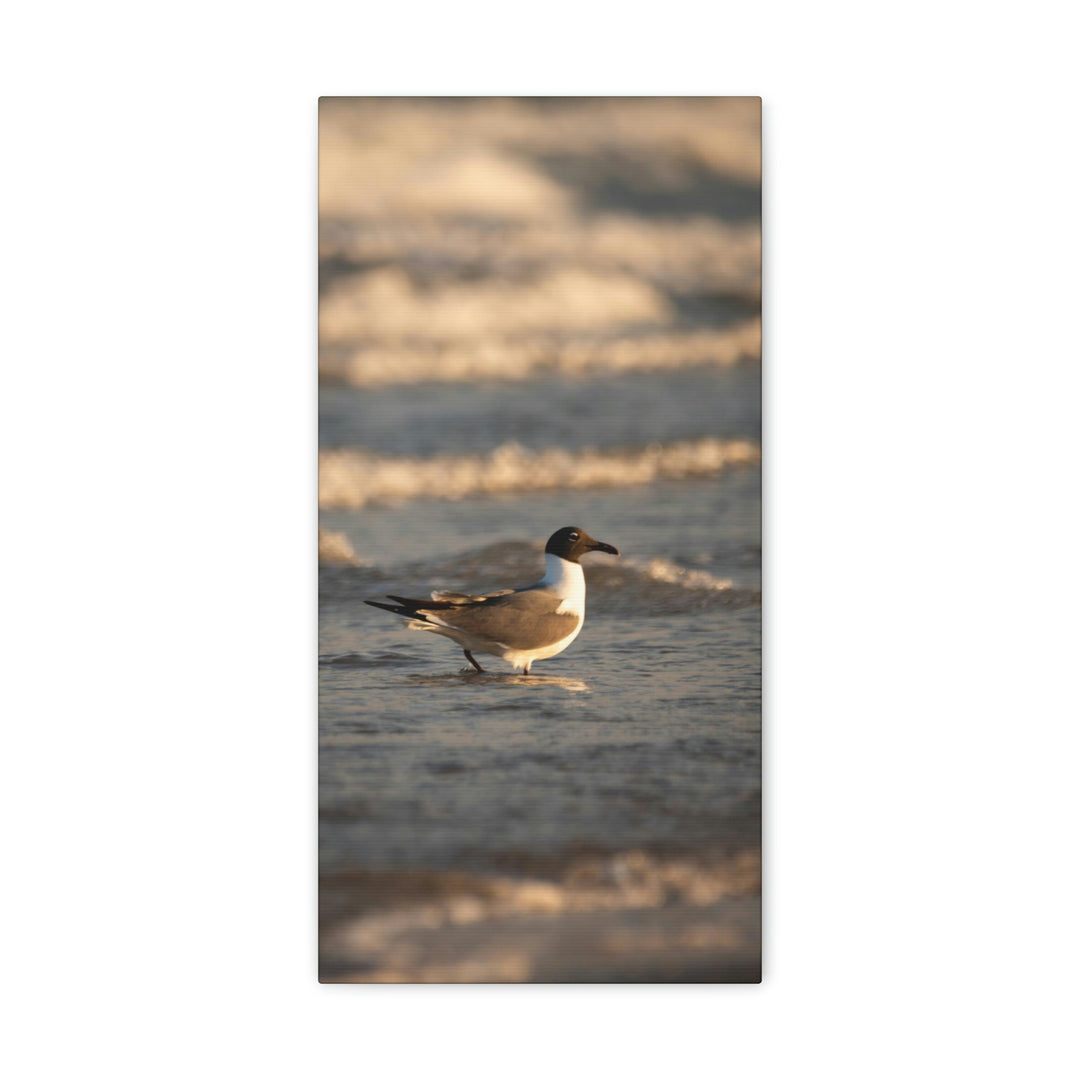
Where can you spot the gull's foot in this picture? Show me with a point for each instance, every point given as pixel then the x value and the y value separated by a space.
pixel 469 657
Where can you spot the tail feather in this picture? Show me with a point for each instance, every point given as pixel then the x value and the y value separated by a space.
pixel 399 609
pixel 414 609
pixel 415 605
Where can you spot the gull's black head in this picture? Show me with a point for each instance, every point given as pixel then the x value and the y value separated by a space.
pixel 571 543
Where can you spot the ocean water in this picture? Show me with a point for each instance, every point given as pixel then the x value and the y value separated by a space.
pixel 538 314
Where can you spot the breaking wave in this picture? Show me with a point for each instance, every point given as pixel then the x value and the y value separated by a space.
pixel 706 908
pixel 699 255
pixel 382 158
pixel 397 363
pixel 335 550
pixel 387 305
pixel 350 479
pixel 670 573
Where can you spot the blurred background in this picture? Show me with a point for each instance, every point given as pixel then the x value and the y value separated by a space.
pixel 536 313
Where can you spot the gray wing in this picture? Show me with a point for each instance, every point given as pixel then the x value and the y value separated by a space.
pixel 465 598
pixel 520 620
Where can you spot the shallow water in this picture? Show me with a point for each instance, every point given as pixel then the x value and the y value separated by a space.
pixel 438 418
pixel 644 736
pixel 599 819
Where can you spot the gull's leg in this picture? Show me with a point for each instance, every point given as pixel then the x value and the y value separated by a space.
pixel 469 657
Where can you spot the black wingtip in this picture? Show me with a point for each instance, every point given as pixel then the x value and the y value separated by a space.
pixel 396 609
pixel 407 612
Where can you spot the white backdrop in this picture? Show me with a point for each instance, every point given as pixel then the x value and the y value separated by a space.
pixel 920 451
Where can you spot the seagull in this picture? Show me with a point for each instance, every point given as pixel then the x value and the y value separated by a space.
pixel 518 625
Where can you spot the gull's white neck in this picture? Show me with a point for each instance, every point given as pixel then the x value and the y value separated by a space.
pixel 565 579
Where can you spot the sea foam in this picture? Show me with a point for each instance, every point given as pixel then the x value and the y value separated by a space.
pixel 388 363
pixel 353 478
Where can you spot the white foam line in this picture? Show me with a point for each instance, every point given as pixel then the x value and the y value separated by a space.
pixel 386 363
pixel 351 479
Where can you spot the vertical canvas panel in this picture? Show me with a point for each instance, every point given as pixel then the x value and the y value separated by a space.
pixel 538 313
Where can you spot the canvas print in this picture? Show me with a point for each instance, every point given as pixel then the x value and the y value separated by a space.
pixel 539 540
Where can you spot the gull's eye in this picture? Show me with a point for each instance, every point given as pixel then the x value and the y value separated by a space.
pixel 575 536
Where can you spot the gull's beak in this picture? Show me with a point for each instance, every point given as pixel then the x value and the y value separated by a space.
pixel 597 546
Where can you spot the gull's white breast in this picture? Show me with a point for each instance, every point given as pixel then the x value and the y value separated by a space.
pixel 567 581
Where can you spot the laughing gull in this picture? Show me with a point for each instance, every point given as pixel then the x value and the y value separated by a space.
pixel 519 625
